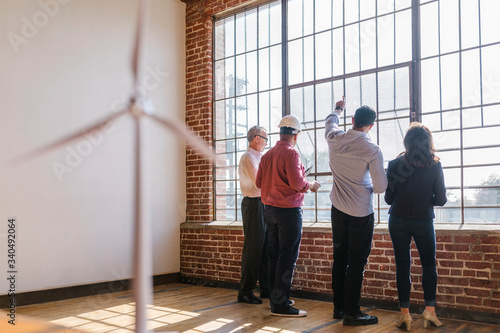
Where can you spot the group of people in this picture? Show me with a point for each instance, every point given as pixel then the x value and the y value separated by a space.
pixel 274 184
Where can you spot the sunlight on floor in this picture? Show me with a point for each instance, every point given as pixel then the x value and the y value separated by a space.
pixel 120 319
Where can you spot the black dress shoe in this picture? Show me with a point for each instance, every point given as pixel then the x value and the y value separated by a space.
pixel 250 299
pixel 359 319
pixel 338 314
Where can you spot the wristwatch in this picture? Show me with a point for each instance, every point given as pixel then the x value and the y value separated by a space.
pixel 338 107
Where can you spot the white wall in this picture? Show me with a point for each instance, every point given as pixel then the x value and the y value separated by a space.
pixel 75 225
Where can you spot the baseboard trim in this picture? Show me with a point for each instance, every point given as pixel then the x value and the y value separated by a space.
pixel 483 317
pixel 93 289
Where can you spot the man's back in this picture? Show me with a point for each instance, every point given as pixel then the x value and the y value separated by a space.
pixel 357 167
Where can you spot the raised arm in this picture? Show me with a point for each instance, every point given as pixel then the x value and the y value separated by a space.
pixel 332 120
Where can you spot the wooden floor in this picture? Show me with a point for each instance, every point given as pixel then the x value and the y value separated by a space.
pixel 193 309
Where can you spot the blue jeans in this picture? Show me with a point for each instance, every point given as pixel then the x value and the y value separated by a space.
pixel 284 232
pixel 352 243
pixel 422 231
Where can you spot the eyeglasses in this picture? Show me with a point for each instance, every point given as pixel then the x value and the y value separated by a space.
pixel 263 137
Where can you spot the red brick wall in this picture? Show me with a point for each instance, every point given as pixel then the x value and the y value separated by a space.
pixel 199 86
pixel 468 265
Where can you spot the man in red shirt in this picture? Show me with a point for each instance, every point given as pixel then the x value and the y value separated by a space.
pixel 281 178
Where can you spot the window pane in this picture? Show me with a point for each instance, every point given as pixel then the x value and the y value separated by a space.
pixel 402 88
pixel 469 21
pixel 264 67
pixel 338 13
pixel 483 196
pixel 451 120
pixel 391 134
pixel 275 9
pixel 225 171
pixel 229 37
pixel 305 146
pixel 295 59
pixel 302 105
pixel 449 158
pixel 251 72
pixel 447 215
pixel 447 140
pixel 264 30
pixel 324 100
pixel 241 75
pixel 481 176
pixel 369 90
pixel 295 14
pixel 403 36
pixel 471 118
pixel 338 52
pixel 240 33
pixel 225 114
pixel 485 136
pixel 385 6
pixel 433 121
pixel 323 15
pixel 449 25
pixel 491 115
pixel 386 91
pixel 322 152
pixel 264 109
pixel 450 81
pixel 352 48
pixel 366 9
pixel 430 85
pixel 454 198
pixel 251 30
pixel 276 67
pixel 491 74
pixel 429 30
pixel 482 215
pixel 368 45
pixel 471 81
pixel 351 11
pixel 490 25
pixel 452 177
pixel 385 40
pixel 323 44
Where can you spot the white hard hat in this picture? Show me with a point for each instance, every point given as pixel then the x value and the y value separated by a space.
pixel 291 122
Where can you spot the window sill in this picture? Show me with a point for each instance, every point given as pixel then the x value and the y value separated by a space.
pixel 326 226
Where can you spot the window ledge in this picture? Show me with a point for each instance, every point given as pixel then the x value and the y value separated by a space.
pixel 326 226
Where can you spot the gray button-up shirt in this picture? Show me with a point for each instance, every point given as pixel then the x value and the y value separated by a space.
pixel 357 167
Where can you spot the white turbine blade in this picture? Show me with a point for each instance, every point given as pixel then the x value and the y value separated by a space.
pixel 141 26
pixel 66 140
pixel 183 132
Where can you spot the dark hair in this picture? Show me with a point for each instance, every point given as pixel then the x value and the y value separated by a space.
pixel 419 146
pixel 364 116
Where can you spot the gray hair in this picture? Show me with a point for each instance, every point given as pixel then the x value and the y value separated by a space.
pixel 254 131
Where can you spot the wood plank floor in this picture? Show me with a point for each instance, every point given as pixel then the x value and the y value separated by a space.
pixel 193 309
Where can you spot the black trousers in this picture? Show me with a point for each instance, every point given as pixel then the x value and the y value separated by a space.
pixel 284 231
pixel 254 259
pixel 352 242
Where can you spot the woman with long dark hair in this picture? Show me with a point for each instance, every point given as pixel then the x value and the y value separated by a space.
pixel 416 185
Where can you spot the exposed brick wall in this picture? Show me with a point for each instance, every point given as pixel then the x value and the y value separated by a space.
pixel 468 265
pixel 199 87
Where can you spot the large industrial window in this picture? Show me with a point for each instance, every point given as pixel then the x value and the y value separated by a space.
pixel 373 52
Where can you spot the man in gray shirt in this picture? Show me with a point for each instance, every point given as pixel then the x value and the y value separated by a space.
pixel 357 167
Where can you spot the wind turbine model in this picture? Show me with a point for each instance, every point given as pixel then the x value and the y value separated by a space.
pixel 138 108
